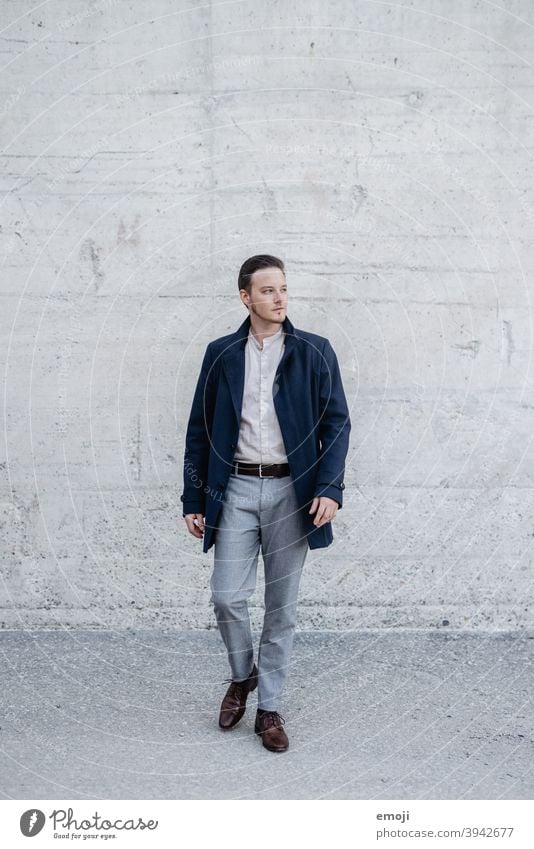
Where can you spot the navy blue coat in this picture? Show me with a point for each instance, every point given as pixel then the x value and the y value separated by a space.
pixel 312 412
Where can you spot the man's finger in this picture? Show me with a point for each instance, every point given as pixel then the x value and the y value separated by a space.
pixel 193 527
pixel 194 530
pixel 198 522
pixel 320 513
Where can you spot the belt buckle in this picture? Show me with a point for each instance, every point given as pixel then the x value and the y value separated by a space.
pixel 264 464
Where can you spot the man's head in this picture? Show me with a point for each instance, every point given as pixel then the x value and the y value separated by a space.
pixel 262 287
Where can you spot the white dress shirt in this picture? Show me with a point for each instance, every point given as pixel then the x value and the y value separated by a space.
pixel 260 438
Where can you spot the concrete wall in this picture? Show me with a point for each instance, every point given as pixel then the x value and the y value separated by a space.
pixel 385 152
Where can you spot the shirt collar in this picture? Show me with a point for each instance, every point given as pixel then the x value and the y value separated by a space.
pixel 267 340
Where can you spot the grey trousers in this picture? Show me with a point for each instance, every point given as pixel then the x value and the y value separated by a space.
pixel 259 512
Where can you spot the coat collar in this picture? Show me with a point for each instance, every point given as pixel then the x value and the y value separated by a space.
pixel 233 359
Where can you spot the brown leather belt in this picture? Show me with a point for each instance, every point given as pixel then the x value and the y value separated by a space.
pixel 261 470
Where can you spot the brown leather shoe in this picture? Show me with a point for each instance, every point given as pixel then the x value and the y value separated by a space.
pixel 234 703
pixel 269 725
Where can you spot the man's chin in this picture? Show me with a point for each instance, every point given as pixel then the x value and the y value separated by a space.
pixel 273 317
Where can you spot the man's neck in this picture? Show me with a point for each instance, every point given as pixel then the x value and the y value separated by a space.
pixel 263 329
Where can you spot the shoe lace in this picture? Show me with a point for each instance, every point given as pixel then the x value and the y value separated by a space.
pixel 239 687
pixel 271 717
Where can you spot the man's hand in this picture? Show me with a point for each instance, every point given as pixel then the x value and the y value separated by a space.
pixel 326 509
pixel 196 529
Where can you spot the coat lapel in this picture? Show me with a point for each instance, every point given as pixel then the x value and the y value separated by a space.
pixel 233 360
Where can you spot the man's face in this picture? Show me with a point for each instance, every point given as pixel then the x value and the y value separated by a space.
pixel 268 295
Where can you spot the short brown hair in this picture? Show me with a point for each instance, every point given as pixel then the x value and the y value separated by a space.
pixel 254 263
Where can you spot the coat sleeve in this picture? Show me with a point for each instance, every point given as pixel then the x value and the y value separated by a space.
pixel 334 428
pixel 197 440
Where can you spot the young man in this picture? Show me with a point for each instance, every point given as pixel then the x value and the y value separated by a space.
pixel 264 463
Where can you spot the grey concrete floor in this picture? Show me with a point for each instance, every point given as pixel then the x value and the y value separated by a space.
pixel 370 715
